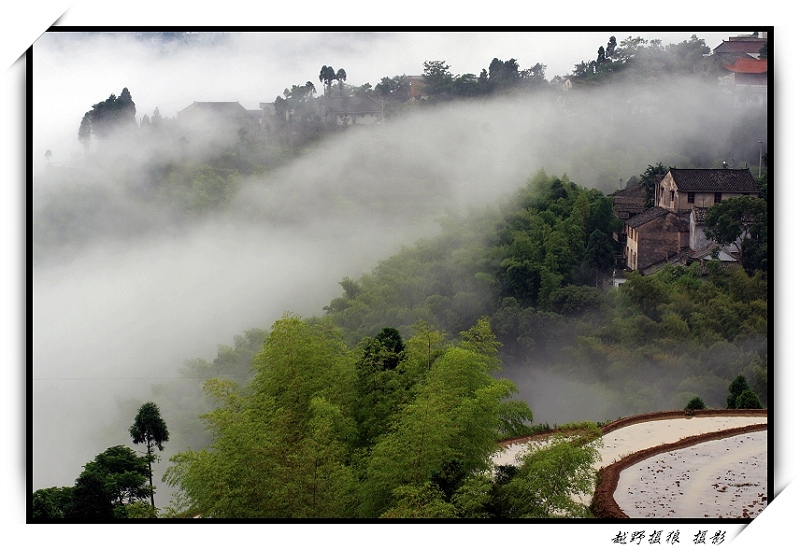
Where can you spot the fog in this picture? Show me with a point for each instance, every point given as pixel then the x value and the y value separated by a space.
pixel 135 290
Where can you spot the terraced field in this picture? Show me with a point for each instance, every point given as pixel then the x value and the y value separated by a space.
pixel 660 465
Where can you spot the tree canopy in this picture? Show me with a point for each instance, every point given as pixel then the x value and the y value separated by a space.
pixel 149 428
pixel 293 443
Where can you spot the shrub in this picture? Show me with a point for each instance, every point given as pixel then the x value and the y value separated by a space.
pixel 748 400
pixel 695 404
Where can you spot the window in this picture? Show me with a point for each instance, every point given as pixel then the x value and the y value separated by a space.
pixel 690 198
pixel 672 196
pixel 717 198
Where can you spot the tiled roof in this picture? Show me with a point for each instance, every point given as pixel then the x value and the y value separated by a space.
pixel 743 46
pixel 632 191
pixel 745 65
pixel 647 216
pixel 723 180
pixel 216 106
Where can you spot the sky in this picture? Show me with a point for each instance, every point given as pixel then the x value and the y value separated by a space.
pixel 376 55
pixel 70 76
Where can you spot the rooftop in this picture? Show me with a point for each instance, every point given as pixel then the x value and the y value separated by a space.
pixel 726 180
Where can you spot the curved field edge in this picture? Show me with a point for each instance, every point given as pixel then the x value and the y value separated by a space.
pixel 604 506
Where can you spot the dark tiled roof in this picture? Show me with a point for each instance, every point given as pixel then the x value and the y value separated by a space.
pixel 751 45
pixel 682 218
pixel 632 191
pixel 722 180
pixel 231 107
pixel 647 216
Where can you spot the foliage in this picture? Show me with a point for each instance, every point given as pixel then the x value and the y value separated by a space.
pixel 547 480
pixel 743 223
pixel 738 386
pixel 648 180
pixel 695 404
pixel 390 428
pixel 108 117
pixel 115 479
pixel 748 400
pixel 51 503
pixel 149 428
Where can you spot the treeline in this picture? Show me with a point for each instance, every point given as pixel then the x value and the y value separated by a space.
pixel 117 484
pixel 533 267
pixel 391 427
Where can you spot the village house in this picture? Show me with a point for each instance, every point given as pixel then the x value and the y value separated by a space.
pixel 224 118
pixel 673 231
pixel 747 46
pixel 655 237
pixel 681 190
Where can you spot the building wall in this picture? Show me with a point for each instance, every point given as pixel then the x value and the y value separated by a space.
pixel 656 241
pixel 670 198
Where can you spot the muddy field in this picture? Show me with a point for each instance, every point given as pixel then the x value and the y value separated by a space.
pixel 668 465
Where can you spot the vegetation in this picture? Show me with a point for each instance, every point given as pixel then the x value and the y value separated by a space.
pixel 149 428
pixel 695 404
pixel 524 267
pixel 740 395
pixel 391 404
pixel 112 486
pixel 388 428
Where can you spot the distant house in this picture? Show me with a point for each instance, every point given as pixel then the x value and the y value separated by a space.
pixel 654 237
pixel 352 111
pixel 740 47
pixel 417 86
pixel 683 189
pixel 673 231
pixel 748 80
pixel 223 117
pixel 749 72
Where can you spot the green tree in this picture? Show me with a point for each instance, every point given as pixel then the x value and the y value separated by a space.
pixel 281 446
pixel 695 404
pixel 735 389
pixel 547 481
pixel 116 478
pixel 108 117
pixel 743 223
pixel 149 428
pixel 748 400
pixel 51 503
pixel 599 256
pixel 438 79
pixel 647 181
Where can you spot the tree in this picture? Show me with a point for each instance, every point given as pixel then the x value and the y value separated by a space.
pixel 108 117
pixel 149 428
pixel 647 181
pixel 741 222
pixel 599 256
pixel 438 79
pixel 695 404
pixel 115 479
pixel 341 76
pixel 611 47
pixel 735 389
pixel 327 75
pixel 51 503
pixel 748 400
pixel 547 480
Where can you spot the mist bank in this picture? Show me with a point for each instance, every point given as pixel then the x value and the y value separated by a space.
pixel 129 283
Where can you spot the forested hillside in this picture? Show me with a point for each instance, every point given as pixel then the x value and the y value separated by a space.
pixel 532 268
pixel 470 234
